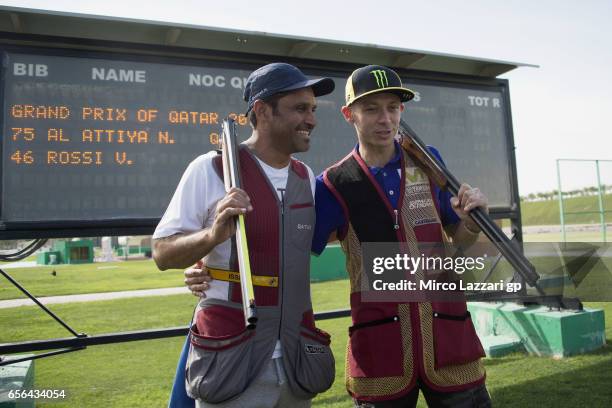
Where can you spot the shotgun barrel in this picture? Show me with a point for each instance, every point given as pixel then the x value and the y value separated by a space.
pixel 231 178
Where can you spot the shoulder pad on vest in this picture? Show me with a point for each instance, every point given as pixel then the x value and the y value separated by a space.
pixel 299 168
pixel 338 163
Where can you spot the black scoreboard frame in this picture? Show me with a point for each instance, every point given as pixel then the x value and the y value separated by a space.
pixel 124 51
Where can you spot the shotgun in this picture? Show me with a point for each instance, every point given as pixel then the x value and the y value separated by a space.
pixel 231 178
pixel 444 179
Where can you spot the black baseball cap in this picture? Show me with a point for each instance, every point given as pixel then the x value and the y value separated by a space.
pixel 374 79
pixel 281 77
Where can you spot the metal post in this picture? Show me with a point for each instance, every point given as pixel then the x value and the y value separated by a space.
pixel 561 210
pixel 43 307
pixel 602 214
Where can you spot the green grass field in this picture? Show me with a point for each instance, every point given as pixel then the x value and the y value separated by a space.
pixel 547 212
pixel 89 278
pixel 141 373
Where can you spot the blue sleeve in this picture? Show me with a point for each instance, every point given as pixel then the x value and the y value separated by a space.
pixel 329 213
pixel 447 214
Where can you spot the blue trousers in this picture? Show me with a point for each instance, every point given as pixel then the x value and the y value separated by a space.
pixel 178 396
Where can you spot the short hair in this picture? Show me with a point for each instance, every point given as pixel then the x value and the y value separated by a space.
pixel 272 101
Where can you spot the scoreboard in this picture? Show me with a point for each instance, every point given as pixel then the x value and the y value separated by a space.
pixel 96 141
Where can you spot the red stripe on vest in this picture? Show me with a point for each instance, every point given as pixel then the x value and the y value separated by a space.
pixel 262 227
pixel 299 168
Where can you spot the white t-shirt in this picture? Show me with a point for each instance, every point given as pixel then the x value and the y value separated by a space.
pixel 193 206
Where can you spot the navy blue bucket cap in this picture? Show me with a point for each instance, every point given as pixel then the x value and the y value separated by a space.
pixel 281 77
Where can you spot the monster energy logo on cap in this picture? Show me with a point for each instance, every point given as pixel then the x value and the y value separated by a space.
pixel 381 77
pixel 374 79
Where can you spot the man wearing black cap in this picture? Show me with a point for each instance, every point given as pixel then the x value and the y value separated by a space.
pixel 378 194
pixel 286 360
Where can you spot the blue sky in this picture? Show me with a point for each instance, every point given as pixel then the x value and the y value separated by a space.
pixel 560 110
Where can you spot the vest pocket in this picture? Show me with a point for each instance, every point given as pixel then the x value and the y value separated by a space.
pixel 315 367
pixel 455 339
pixel 217 368
pixel 375 346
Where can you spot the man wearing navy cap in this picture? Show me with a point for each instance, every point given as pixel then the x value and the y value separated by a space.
pixel 286 360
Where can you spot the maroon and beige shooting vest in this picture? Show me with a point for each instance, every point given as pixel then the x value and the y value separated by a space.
pixel 224 357
pixel 392 344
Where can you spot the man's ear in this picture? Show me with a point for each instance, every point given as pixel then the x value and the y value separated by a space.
pixel 261 110
pixel 347 113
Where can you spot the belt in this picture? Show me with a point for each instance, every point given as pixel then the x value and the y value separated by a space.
pixel 234 276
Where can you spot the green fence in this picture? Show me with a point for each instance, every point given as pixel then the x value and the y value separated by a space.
pixel 600 193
